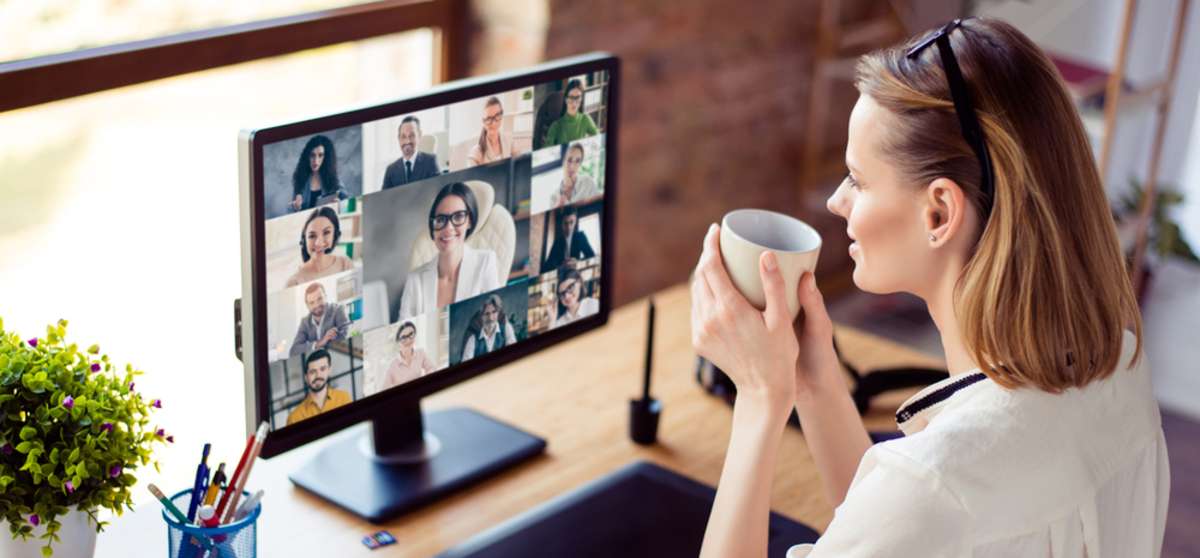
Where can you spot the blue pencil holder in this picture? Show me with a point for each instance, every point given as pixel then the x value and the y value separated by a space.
pixel 234 540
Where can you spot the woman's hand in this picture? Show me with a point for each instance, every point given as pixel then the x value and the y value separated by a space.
pixel 816 364
pixel 297 202
pixel 758 350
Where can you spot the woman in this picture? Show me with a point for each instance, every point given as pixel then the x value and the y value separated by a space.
pixel 571 304
pixel 1046 440
pixel 318 238
pixel 410 362
pixel 315 180
pixel 493 144
pixel 574 187
pixel 458 271
pixel 573 124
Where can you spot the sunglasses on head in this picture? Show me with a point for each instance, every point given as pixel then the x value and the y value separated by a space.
pixel 972 132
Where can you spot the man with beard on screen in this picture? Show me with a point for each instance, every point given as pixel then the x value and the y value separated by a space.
pixel 320 396
pixel 323 324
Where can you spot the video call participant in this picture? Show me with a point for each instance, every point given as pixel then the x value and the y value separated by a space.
pixel 315 180
pixel 410 362
pixel 569 243
pixel 412 165
pixel 574 187
pixel 321 397
pixel 571 304
pixel 573 124
pixel 494 144
pixel 323 324
pixel 458 271
pixel 495 331
pixel 318 238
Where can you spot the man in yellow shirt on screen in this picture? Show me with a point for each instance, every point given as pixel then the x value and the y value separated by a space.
pixel 321 397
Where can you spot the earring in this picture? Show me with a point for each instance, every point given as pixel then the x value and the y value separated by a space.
pixel 932 238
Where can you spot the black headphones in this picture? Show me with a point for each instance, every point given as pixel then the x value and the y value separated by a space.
pixel 328 213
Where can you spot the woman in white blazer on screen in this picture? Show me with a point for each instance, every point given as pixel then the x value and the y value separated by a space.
pixel 1046 440
pixel 458 271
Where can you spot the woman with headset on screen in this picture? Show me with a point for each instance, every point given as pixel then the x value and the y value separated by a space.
pixel 318 238
pixel 458 271
pixel 974 188
pixel 315 180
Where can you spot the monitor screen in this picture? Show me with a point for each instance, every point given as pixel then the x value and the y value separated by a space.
pixel 402 243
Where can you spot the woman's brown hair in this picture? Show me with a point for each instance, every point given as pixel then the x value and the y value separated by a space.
pixel 1045 297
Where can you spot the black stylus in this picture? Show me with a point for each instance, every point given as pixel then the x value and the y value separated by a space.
pixel 649 353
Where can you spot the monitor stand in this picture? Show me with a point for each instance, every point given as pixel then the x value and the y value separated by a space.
pixel 408 459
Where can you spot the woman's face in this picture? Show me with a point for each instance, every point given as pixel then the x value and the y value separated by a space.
pixel 573 161
pixel 451 236
pixel 574 100
pixel 408 336
pixel 883 213
pixel 316 158
pixel 568 293
pixel 492 115
pixel 318 236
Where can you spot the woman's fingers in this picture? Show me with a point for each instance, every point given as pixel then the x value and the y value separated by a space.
pixel 714 272
pixel 776 313
pixel 816 318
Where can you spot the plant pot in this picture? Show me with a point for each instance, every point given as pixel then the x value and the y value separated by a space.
pixel 77 539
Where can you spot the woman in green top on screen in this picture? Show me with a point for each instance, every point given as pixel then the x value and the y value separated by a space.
pixel 573 124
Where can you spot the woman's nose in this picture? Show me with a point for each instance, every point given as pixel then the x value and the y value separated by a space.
pixel 834 203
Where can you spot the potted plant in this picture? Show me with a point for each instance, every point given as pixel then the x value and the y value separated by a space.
pixel 1164 239
pixel 72 432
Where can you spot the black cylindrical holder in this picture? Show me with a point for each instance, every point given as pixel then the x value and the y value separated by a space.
pixel 643 420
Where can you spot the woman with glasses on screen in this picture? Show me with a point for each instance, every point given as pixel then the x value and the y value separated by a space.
pixel 574 187
pixel 494 144
pixel 573 124
pixel 410 363
pixel 318 239
pixel 458 271
pixel 572 305
pixel 315 180
pixel 972 185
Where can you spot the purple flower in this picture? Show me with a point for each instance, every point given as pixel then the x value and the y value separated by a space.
pixel 70 487
pixel 33 343
pixel 34 520
pixel 107 426
pixel 69 402
pixel 157 403
pixel 7 449
pixel 171 439
pixel 115 471
pixel 160 433
pixel 131 386
pixel 95 367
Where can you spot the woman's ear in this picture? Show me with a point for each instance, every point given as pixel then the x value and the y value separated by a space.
pixel 945 211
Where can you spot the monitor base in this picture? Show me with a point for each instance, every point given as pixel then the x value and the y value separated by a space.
pixel 471 448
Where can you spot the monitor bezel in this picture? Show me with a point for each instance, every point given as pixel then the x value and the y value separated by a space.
pixel 254 328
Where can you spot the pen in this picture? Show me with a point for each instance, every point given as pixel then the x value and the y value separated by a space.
pixel 236 473
pixel 237 487
pixel 215 486
pixel 199 486
pixel 174 511
pixel 248 506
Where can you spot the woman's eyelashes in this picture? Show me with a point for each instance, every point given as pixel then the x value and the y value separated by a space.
pixel 852 182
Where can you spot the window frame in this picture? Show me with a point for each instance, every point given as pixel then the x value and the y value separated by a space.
pixel 54 77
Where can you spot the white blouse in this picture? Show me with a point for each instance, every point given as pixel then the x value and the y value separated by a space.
pixel 988 472
pixel 477 274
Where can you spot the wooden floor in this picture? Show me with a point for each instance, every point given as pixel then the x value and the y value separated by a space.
pixel 1183 516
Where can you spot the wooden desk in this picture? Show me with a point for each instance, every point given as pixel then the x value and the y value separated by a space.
pixel 576 396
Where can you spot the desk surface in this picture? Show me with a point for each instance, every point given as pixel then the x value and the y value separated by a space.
pixel 575 395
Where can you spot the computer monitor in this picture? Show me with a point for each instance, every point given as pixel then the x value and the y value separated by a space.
pixel 395 250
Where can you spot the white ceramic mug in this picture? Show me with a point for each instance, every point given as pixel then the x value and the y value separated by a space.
pixel 747 233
